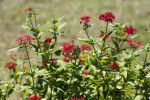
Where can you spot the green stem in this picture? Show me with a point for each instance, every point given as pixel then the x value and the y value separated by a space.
pixel 35 20
pixel 92 44
pixel 140 75
pixel 104 39
pixel 31 22
pixel 123 41
pixel 30 68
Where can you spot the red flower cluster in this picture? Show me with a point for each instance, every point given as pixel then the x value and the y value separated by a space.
pixel 67 49
pixel 85 19
pixel 52 60
pixel 101 35
pixel 129 30
pixel 72 41
pixel 35 98
pixel 24 38
pixel 25 68
pixel 12 55
pixel 85 47
pixel 145 72
pixel 65 43
pixel 29 9
pixel 105 54
pixel 48 40
pixel 82 62
pixel 10 65
pixel 76 98
pixel 84 72
pixel 113 65
pixel 109 17
pixel 146 29
pixel 134 43
pixel 70 51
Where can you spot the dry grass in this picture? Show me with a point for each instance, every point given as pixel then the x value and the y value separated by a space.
pixel 134 12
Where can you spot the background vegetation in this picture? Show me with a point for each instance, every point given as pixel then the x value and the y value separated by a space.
pixel 133 12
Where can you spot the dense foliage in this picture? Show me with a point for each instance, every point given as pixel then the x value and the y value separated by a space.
pixel 107 67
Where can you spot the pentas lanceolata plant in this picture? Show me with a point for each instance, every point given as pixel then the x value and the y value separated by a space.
pixel 108 67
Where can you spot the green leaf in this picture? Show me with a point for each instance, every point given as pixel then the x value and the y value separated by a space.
pixel 14 49
pixel 124 73
pixel 148 75
pixel 147 47
pixel 116 44
pixel 119 86
pixel 81 31
pixel 90 76
pixel 59 19
pixel 43 26
pixel 39 35
pixel 54 21
pixel 139 97
pixel 134 36
pixel 61 79
pixel 86 40
pixel 10 91
pixel 29 26
pixel 61 26
pixel 101 31
pixel 58 52
pixel 41 72
pixel 62 65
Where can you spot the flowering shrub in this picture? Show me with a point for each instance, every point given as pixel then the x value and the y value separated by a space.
pixel 96 70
